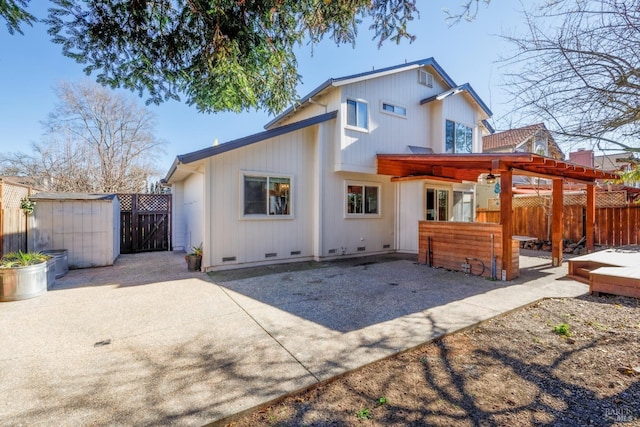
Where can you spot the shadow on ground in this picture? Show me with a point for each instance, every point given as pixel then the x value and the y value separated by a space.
pixel 352 294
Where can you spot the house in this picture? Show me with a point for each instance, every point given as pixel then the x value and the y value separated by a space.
pixel 620 162
pixel 528 139
pixel 308 187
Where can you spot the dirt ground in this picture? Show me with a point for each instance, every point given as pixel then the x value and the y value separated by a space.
pixel 561 362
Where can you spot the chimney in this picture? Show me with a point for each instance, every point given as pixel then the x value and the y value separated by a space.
pixel 582 157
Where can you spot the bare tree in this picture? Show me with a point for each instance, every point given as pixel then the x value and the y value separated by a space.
pixel 96 141
pixel 578 69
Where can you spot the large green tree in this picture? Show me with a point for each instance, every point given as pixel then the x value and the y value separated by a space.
pixel 220 55
pixel 15 14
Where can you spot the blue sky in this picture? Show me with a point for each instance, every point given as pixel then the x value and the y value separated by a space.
pixel 31 65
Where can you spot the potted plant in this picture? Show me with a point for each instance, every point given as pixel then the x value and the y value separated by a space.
pixel 22 275
pixel 194 258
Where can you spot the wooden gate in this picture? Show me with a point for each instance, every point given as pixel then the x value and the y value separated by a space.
pixel 145 222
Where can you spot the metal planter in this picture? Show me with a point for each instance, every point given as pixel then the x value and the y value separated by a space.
pixel 20 283
pixel 61 256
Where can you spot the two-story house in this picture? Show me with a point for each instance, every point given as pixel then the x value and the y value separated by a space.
pixel 307 187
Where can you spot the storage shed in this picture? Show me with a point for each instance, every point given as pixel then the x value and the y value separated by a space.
pixel 86 225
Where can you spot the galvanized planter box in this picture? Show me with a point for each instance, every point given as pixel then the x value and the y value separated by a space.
pixel 20 283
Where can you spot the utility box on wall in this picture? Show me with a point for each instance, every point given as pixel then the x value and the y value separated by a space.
pixel 87 225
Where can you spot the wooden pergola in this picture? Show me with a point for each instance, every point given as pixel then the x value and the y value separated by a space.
pixel 468 167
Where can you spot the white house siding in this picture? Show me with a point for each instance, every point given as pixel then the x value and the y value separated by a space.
pixel 342 235
pixel 193 210
pixel 240 239
pixel 387 133
pixel 178 222
pixel 327 102
pixel 437 131
pixel 410 207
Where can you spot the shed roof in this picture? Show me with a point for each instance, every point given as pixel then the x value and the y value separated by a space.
pixel 73 196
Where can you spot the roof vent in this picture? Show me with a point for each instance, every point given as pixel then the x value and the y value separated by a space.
pixel 425 78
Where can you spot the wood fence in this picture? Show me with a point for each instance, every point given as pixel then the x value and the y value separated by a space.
pixel 145 222
pixel 14 223
pixel 614 226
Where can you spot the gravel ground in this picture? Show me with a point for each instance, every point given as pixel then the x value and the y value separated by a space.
pixel 560 362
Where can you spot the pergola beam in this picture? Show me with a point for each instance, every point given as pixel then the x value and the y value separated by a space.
pixel 506 219
pixel 557 208
pixel 590 217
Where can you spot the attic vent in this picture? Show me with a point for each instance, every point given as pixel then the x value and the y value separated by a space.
pixel 425 78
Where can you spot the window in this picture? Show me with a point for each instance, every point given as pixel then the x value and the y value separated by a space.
pixel 267 195
pixel 394 109
pixel 425 78
pixel 541 146
pixel 357 114
pixel 437 205
pixel 363 199
pixel 458 138
pixel 463 206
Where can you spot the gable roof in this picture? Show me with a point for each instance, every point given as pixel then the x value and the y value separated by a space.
pixel 460 89
pixel 194 156
pixel 353 78
pixel 513 137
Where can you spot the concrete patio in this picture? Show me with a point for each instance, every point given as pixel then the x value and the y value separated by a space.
pixel 146 342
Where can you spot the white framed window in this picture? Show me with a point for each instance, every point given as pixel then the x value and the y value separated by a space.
pixel 362 199
pixel 436 204
pixel 357 114
pixel 458 138
pixel 266 195
pixel 393 109
pixel 425 79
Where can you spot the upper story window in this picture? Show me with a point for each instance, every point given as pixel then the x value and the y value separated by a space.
pixel 357 114
pixel 425 78
pixel 393 109
pixel 267 195
pixel 458 138
pixel 363 199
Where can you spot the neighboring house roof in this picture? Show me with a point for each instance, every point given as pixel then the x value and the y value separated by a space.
pixel 512 138
pixel 341 81
pixel 614 162
pixel 247 140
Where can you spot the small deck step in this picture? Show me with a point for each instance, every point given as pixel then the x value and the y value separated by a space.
pixel 616 280
pixel 580 279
